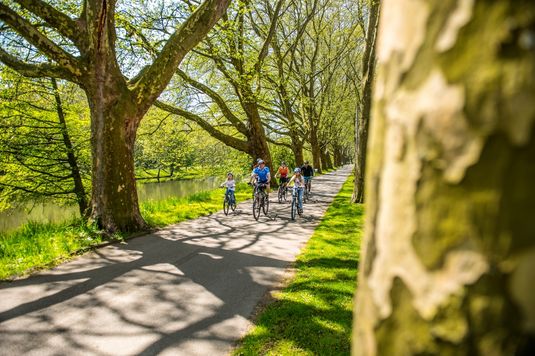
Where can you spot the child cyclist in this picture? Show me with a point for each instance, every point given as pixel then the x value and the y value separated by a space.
pixel 299 183
pixel 230 184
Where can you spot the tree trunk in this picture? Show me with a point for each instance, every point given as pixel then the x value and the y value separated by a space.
pixel 449 251
pixel 79 190
pixel 315 146
pixel 363 117
pixel 326 162
pixel 338 156
pixel 297 149
pixel 113 131
pixel 329 160
pixel 258 144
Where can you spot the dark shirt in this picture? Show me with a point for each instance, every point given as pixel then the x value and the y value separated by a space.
pixel 307 171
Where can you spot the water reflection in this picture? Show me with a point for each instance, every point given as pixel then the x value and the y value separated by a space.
pixel 43 212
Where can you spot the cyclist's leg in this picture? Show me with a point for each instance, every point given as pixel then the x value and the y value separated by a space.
pixel 232 197
pixel 300 198
pixel 307 183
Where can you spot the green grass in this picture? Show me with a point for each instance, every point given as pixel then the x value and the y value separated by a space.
pixel 175 210
pixel 313 314
pixel 39 245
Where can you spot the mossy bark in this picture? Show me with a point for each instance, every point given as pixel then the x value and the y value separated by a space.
pixel 114 203
pixel 449 251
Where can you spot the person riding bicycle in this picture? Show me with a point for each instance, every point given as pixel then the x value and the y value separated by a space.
pixel 308 172
pixel 261 175
pixel 230 184
pixel 282 173
pixel 299 184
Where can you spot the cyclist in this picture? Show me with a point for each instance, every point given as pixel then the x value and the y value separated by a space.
pixel 230 184
pixel 308 172
pixel 255 164
pixel 282 174
pixel 299 183
pixel 261 175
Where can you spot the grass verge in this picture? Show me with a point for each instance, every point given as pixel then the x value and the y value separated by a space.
pixel 313 314
pixel 38 245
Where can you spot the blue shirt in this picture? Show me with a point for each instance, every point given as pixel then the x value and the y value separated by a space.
pixel 262 174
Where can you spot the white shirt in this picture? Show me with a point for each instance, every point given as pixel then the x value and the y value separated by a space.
pixel 298 181
pixel 230 184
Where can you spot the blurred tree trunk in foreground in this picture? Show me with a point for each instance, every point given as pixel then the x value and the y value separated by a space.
pixel 449 251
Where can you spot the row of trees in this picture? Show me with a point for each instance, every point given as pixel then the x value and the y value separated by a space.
pixel 272 77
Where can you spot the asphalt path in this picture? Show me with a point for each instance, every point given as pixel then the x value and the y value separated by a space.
pixel 189 289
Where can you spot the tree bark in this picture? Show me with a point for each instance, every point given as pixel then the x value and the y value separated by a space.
pixel 114 202
pixel 449 251
pixel 338 156
pixel 326 161
pixel 314 145
pixel 79 190
pixel 257 141
pixel 297 149
pixel 362 118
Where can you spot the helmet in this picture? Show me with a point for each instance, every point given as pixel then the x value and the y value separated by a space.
pixel 283 163
pixel 306 162
pixel 297 170
pixel 230 174
pixel 260 161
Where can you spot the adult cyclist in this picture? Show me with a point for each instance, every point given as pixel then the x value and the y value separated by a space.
pixel 308 172
pixel 282 174
pixel 261 175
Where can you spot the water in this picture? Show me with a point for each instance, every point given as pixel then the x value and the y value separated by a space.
pixel 11 219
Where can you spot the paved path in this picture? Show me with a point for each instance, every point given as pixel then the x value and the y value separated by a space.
pixel 185 290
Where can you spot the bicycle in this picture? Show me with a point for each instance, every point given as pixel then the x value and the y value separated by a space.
pixel 261 201
pixel 295 201
pixel 228 203
pixel 282 192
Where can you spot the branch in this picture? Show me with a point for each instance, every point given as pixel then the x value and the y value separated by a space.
pixel 278 143
pixel 58 20
pixel 36 70
pixel 228 140
pixel 155 78
pixel 238 124
pixel 264 51
pixel 40 41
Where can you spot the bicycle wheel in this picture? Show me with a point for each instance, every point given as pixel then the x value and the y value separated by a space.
pixel 284 192
pixel 305 195
pixel 281 194
pixel 265 206
pixel 256 207
pixel 233 206
pixel 293 208
pixel 225 205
